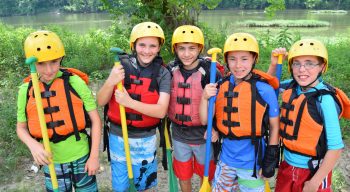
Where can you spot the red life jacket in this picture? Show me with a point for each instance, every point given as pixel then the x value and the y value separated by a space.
pixel 185 97
pixel 64 110
pixel 141 84
pixel 240 111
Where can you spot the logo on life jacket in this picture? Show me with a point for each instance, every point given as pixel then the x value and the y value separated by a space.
pixel 64 110
pixel 141 84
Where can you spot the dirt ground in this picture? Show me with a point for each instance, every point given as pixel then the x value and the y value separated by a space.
pixel 34 181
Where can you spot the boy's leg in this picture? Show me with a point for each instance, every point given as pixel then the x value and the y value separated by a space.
pixel 248 183
pixel 183 164
pixel 119 171
pixel 225 178
pixel 291 178
pixel 82 182
pixel 69 174
pixel 144 162
pixel 199 161
pixel 63 178
pixel 284 179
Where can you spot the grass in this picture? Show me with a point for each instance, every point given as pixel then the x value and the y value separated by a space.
pixel 284 23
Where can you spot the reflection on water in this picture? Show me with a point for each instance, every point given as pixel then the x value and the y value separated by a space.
pixel 80 23
pixel 228 19
pixel 225 19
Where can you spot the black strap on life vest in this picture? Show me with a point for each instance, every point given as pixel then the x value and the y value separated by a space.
pixel 65 77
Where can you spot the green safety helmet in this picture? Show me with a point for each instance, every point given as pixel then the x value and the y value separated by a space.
pixel 44 45
pixel 187 34
pixel 311 47
pixel 241 42
pixel 146 29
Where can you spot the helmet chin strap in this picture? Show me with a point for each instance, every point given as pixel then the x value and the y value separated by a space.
pixel 308 85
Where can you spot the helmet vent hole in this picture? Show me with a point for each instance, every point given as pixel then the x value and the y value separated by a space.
pixel 157 27
pixel 311 43
pixel 46 34
pixel 35 36
pixel 183 31
pixel 149 26
pixel 301 44
pixel 48 47
pixel 38 49
pixel 245 39
pixel 235 39
pixel 192 32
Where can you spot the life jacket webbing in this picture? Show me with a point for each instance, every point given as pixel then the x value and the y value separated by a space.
pixel 70 105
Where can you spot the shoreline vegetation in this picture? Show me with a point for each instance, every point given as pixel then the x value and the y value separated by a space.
pixel 284 23
pixel 328 12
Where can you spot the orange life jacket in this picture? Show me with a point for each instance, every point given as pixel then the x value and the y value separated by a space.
pixel 142 86
pixel 63 108
pixel 239 110
pixel 185 97
pixel 301 124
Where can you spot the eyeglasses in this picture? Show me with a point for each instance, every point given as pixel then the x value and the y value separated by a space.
pixel 307 65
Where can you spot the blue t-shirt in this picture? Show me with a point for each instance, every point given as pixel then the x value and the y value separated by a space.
pixel 331 124
pixel 240 153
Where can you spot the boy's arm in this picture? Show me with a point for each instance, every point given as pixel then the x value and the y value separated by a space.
pixel 210 90
pixel 327 165
pixel 274 129
pixel 92 165
pixel 274 59
pixel 105 93
pixel 40 156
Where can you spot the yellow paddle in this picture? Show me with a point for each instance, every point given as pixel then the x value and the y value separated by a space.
pixel 132 187
pixel 39 106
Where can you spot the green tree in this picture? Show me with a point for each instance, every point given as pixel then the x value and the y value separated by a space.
pixel 310 4
pixel 170 13
pixel 275 5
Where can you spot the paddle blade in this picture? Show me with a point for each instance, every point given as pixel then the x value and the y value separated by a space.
pixel 132 187
pixel 267 186
pixel 205 186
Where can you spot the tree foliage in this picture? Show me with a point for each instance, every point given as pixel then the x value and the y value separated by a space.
pixel 170 13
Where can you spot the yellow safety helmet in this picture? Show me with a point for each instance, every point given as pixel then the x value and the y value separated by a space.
pixel 44 45
pixel 241 42
pixel 187 34
pixel 146 29
pixel 306 47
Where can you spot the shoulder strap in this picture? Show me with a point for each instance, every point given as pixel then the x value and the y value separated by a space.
pixel 74 71
pixel 273 81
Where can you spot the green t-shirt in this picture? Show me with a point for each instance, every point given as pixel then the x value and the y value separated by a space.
pixel 69 149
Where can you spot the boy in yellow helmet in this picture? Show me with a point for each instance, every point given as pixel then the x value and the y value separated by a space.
pixel 310 113
pixel 68 105
pixel 146 99
pixel 190 73
pixel 246 106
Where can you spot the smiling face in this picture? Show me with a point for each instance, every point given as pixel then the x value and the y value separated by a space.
pixel 240 63
pixel 147 48
pixel 48 69
pixel 305 70
pixel 188 54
